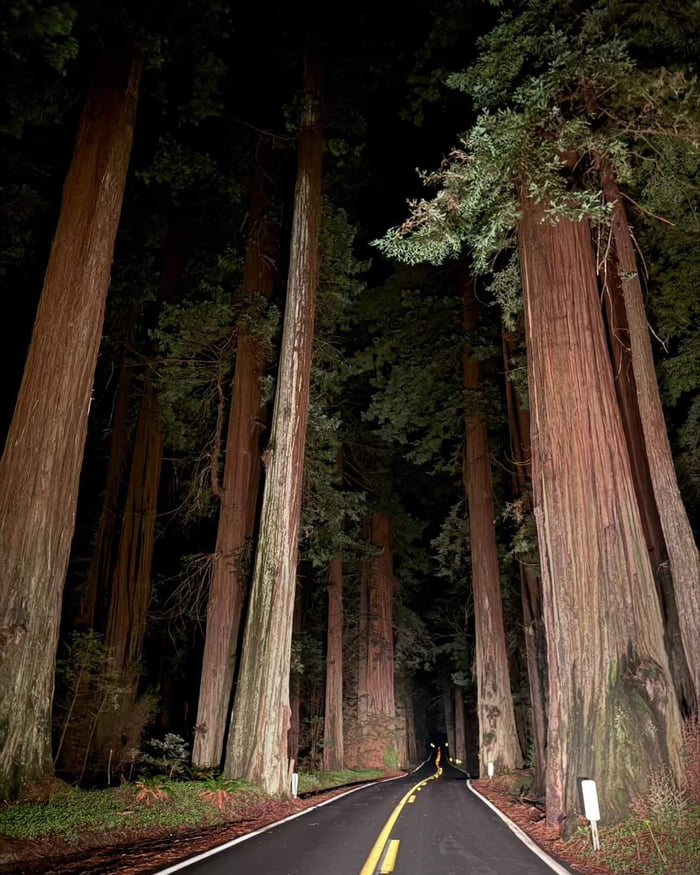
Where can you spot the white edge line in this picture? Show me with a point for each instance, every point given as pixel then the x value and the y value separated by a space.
pixel 176 867
pixel 522 835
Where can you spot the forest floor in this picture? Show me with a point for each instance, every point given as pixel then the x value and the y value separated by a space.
pixel 641 846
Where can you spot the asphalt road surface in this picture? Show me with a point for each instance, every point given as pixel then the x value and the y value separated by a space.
pixel 440 829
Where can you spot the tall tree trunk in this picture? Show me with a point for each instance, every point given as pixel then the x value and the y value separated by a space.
pixel 40 467
pixel 448 708
pixel 411 736
pixel 460 751
pixel 497 733
pixel 530 583
pixel 625 386
pixel 241 478
pixel 92 601
pixel 295 688
pixel 379 726
pixel 131 586
pixel 678 536
pixel 613 713
pixel 261 708
pixel 333 748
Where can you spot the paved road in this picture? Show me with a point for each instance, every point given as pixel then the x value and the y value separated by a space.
pixel 445 830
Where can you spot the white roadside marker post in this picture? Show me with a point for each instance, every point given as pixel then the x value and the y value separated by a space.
pixel 591 809
pixel 295 784
pixel 490 769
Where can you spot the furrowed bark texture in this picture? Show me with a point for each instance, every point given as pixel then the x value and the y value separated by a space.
pixel 680 544
pixel 378 729
pixel 241 479
pixel 295 688
pixel 530 583
pixel 257 747
pixel 625 386
pixel 498 736
pixel 40 468
pixel 613 713
pixel 333 747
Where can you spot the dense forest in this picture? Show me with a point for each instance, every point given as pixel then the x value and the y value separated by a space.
pixel 311 457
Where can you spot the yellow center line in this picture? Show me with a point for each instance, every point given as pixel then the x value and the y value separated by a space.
pixel 375 854
pixel 390 857
pixel 412 799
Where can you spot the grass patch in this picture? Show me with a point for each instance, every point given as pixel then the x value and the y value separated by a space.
pixel 71 811
pixel 314 780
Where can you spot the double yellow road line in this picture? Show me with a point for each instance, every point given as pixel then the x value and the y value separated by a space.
pixel 383 850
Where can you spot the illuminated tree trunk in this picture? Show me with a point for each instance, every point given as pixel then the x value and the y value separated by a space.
pixel 295 689
pixel 497 733
pixel 241 479
pixel 530 583
pixel 613 713
pixel 684 609
pixel 257 747
pixel 379 720
pixel 333 748
pixel 40 468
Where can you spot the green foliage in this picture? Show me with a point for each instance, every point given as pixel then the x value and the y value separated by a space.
pixel 169 754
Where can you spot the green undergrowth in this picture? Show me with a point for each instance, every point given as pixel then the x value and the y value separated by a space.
pixel 70 811
pixel 662 846
pixel 314 780
pixel 152 802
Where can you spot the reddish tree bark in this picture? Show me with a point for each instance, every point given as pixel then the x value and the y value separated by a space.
pixel 375 743
pixel 295 689
pixel 261 707
pixel 40 467
pixel 498 736
pixel 333 746
pixel 613 714
pixel 241 478
pixel 683 601
pixel 131 586
pixel 530 583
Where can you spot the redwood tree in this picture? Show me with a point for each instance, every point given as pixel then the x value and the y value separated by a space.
pixel 40 468
pixel 613 713
pixel 498 736
pixel 333 745
pixel 257 746
pixel 683 600
pixel 238 494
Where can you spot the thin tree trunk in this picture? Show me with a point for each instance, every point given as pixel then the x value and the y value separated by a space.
pixel 333 747
pixel 411 737
pixel 241 479
pixel 460 751
pixel 682 551
pixel 131 587
pixel 40 467
pixel 498 736
pixel 530 583
pixel 101 568
pixel 448 708
pixel 613 714
pixel 380 727
pixel 261 708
